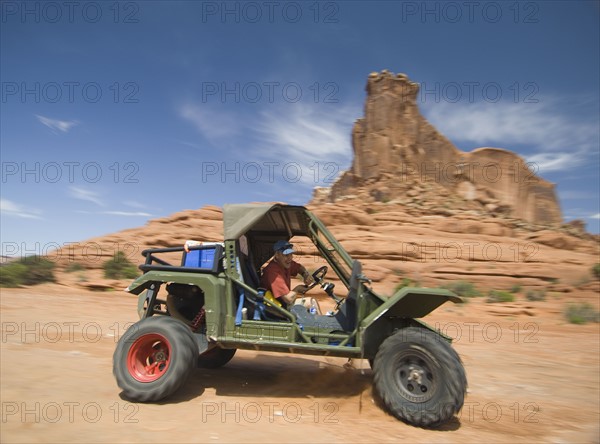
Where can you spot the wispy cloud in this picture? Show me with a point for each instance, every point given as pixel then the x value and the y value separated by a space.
pixel 214 124
pixel 308 135
pixel 10 208
pixel 562 140
pixel 57 125
pixel 581 213
pixel 311 132
pixel 188 144
pixel 135 204
pixel 313 137
pixel 117 213
pixel 561 161
pixel 96 198
pixel 87 195
pixel 127 213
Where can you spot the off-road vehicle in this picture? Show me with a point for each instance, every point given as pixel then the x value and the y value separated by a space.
pixel 199 312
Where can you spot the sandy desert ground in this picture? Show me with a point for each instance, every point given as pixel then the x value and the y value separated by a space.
pixel 531 379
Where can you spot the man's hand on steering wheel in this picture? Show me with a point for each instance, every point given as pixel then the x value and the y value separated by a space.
pixel 301 289
pixel 308 279
pixel 317 276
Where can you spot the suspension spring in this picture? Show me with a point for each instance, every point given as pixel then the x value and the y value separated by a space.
pixel 198 320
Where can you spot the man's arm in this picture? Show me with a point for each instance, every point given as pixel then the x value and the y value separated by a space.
pixel 291 297
pixel 299 269
pixel 278 286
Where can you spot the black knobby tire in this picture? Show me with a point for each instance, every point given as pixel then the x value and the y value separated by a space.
pixel 215 357
pixel 154 358
pixel 419 377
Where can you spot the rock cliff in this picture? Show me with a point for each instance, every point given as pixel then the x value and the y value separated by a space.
pixel 398 154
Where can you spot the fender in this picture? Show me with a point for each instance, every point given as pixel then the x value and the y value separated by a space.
pixel 215 289
pixel 402 310
pixel 414 302
pixel 144 281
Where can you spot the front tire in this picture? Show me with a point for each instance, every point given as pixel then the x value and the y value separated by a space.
pixel 154 358
pixel 419 377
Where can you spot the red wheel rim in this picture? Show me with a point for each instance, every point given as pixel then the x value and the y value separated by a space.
pixel 149 357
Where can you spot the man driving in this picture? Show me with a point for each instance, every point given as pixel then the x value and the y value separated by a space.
pixel 276 276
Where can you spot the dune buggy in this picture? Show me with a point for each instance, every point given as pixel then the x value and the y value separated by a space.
pixel 212 305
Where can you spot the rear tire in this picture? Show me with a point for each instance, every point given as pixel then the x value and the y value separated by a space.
pixel 154 358
pixel 216 357
pixel 419 377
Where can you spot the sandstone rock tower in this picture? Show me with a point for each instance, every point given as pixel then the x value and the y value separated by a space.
pixel 394 146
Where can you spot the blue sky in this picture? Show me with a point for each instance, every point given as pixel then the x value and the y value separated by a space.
pixel 113 113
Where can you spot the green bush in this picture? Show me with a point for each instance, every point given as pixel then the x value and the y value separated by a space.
pixel 500 296
pixel 119 267
pixel 74 266
pixel 39 269
pixel 406 282
pixel 30 270
pixel 11 275
pixel 581 313
pixel 581 280
pixel 515 288
pixel 463 289
pixel 596 270
pixel 535 295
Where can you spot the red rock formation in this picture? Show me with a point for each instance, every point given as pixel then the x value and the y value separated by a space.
pixel 396 149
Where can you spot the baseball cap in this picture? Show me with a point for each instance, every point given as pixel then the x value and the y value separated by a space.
pixel 284 247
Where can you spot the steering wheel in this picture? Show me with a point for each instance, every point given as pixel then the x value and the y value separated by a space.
pixel 318 276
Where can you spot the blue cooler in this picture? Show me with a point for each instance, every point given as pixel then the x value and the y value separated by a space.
pixel 204 258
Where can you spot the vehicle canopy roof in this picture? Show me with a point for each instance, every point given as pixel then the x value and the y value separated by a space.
pixel 280 220
pixel 264 224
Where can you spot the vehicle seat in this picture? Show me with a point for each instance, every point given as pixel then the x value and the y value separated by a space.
pixel 249 274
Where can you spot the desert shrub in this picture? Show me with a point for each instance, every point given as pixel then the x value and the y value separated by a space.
pixel 582 280
pixel 463 289
pixel 119 267
pixel 596 270
pixel 39 270
pixel 500 296
pixel 535 295
pixel 515 288
pixel 74 266
pixel 581 313
pixel 30 270
pixel 406 282
pixel 11 275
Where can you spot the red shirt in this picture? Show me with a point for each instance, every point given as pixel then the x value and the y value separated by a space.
pixel 279 279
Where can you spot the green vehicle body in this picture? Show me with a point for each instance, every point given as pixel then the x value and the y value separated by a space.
pixel 375 317
pixel 214 306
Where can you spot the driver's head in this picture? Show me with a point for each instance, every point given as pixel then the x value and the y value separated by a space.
pixel 283 253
